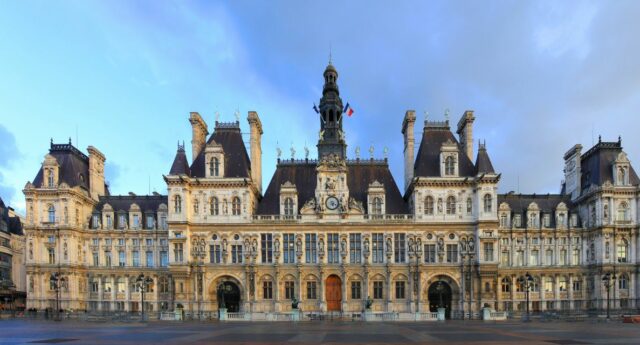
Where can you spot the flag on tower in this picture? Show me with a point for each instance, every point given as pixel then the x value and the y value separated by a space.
pixel 348 110
pixel 315 108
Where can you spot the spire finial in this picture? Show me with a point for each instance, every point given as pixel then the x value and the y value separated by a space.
pixel 446 114
pixel 69 140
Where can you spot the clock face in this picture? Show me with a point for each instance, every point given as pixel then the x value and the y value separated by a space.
pixel 332 203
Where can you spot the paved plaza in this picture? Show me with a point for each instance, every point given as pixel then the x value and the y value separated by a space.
pixel 451 332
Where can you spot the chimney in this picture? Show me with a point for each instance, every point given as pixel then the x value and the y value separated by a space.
pixel 199 134
pixel 409 144
pixel 256 149
pixel 96 172
pixel 573 171
pixel 465 132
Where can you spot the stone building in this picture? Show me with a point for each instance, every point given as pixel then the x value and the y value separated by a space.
pixel 12 266
pixel 334 231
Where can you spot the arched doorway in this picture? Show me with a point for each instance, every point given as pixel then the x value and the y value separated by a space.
pixel 440 296
pixel 228 295
pixel 333 293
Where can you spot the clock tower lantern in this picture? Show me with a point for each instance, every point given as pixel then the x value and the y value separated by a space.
pixel 331 138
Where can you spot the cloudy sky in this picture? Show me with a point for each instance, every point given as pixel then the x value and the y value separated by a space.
pixel 124 75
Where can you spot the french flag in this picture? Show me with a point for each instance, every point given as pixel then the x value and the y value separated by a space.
pixel 348 110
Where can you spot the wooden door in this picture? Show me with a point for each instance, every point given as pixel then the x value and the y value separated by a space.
pixel 333 293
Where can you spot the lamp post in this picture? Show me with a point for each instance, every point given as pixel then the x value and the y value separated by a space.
pixel 57 282
pixel 526 281
pixel 198 253
pixel 143 282
pixel 608 280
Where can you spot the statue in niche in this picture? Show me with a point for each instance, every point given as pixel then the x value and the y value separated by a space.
pixel 276 245
pixel 366 247
pixel 440 205
pixel 343 246
pixel 299 245
pixel 440 245
pixel 471 244
pixel 330 184
pixel 254 246
pixel 321 246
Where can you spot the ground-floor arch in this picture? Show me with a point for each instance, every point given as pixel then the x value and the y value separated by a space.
pixel 440 295
pixel 227 293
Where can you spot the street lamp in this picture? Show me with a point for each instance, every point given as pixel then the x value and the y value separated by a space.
pixel 57 282
pixel 608 280
pixel 143 283
pixel 526 281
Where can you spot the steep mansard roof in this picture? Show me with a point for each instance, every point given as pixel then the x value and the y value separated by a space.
pixel 597 165
pixel 427 163
pixel 547 203
pixel 237 162
pixel 483 163
pixel 147 203
pixel 180 164
pixel 74 166
pixel 360 175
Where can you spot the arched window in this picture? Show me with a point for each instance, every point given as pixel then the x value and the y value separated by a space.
pixel 50 178
pixel 623 250
pixel 451 205
pixel 428 205
pixel 214 167
pixel 488 201
pixel 288 207
pixel 214 207
pixel 469 205
pixel 506 284
pixel 196 206
pixel 623 211
pixel 377 205
pixel 623 282
pixel 449 166
pixel 177 204
pixel 235 206
pixel 52 214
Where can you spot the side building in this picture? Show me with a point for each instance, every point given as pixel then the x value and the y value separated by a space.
pixel 12 273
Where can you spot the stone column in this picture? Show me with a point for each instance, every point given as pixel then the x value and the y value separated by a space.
pixel 156 292
pixel 100 292
pixel 498 289
pixel 323 304
pixel 388 289
pixel 127 295
pixel 543 294
pixel 276 289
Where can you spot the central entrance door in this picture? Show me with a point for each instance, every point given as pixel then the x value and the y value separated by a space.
pixel 440 297
pixel 333 293
pixel 229 296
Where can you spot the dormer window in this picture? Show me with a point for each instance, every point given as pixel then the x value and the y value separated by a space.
pixel 214 167
pixel 235 206
pixel 449 166
pixel 136 221
pixel 109 222
pixel 377 206
pixel 50 179
pixel 122 221
pixel 214 206
pixel 288 207
pixel 95 221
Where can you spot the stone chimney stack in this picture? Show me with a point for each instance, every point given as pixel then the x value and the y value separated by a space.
pixel 465 132
pixel 409 144
pixel 96 172
pixel 199 134
pixel 573 171
pixel 256 149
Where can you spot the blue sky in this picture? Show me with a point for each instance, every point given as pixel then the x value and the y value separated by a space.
pixel 124 75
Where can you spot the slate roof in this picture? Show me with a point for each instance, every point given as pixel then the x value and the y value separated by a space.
pixel 428 158
pixel 180 164
pixel 237 162
pixel 483 162
pixel 359 175
pixel 597 164
pixel 74 166
pixel 123 202
pixel 547 204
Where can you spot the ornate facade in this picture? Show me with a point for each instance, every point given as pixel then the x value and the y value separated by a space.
pixel 333 232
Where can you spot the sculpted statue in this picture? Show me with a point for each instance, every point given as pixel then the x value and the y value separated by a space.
pixel 276 245
pixel 299 245
pixel 366 247
pixel 321 246
pixel 343 246
pixel 471 244
pixel 440 245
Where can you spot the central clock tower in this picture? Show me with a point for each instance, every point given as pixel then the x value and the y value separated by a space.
pixel 331 137
pixel 332 193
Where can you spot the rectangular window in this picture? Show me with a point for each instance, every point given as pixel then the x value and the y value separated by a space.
pixel 488 251
pixel 107 258
pixel 164 259
pixel 533 258
pixel 399 248
pixel 163 222
pixel 149 255
pixel 563 257
pixel 311 290
pixel 288 249
pixel 377 245
pixel 136 221
pixel 504 258
pixel 266 242
pixel 267 290
pixel 333 247
pixel 452 253
pixel 400 290
pixel 356 290
pixel 135 242
pixel 429 253
pixel 236 253
pixel 122 259
pixel 576 257
pixel 121 241
pixel 95 241
pixel 95 221
pixel 378 290
pixel 109 222
pixel 517 220
pixel 122 221
pixel 136 258
pixel 355 251
pixel 177 252
pixel 163 242
pixel 548 284
pixel 96 259
pixel 289 290
pixel 310 250
pixel 150 221
pixel 149 242
pixel 215 254
pixel 520 258
pixel 577 285
pixel 548 258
